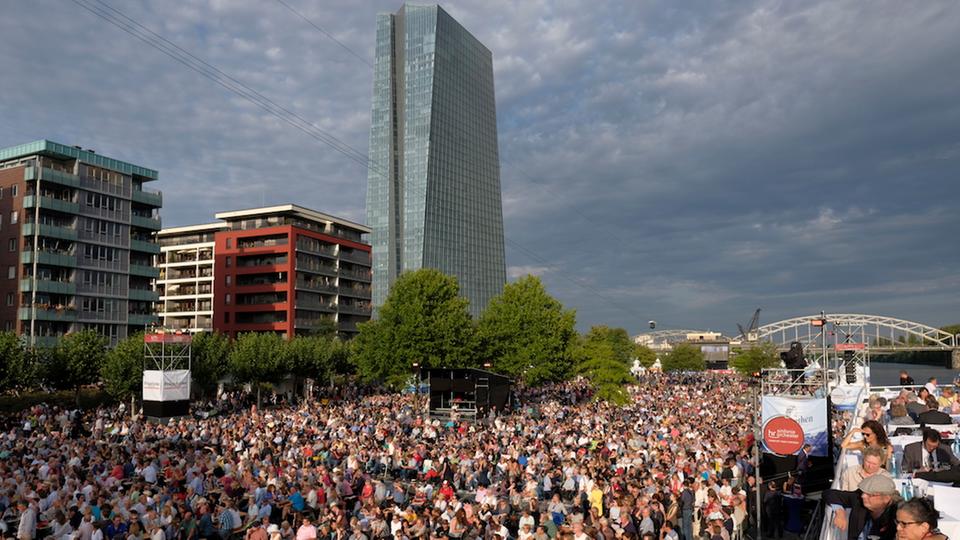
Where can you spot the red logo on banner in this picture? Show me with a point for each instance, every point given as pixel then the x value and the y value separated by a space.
pixel 783 435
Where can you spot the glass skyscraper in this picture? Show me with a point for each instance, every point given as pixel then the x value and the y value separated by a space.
pixel 433 186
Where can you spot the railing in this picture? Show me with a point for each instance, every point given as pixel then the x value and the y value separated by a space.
pixel 146 247
pixel 317 269
pixel 354 310
pixel 51 175
pixel 355 274
pixel 60 287
pixel 314 304
pixel 124 189
pixel 48 313
pixel 144 271
pixel 140 319
pixel 357 292
pixel 115 215
pixel 827 530
pixel 84 262
pixel 51 203
pixel 56 258
pixel 359 257
pixel 153 198
pixel 145 222
pixel 63 232
pixel 315 286
pixel 307 247
pixel 144 295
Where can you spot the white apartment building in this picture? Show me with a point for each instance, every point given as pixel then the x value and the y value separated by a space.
pixel 186 277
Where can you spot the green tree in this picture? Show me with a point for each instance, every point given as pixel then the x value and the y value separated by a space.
pixel 77 360
pixel 424 321
pixel 684 357
pixel 122 369
pixel 524 332
pixel 599 361
pixel 15 368
pixel 761 355
pixel 951 329
pixel 645 355
pixel 208 363
pixel 311 357
pixel 257 358
pixel 624 350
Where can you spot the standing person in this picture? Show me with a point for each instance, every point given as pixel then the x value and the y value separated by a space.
pixel 27 528
pixel 773 511
pixel 803 463
pixel 905 378
pixel 871 509
pixel 687 503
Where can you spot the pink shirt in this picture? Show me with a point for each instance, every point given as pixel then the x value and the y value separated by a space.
pixel 307 532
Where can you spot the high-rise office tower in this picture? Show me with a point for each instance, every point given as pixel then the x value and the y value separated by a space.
pixel 433 193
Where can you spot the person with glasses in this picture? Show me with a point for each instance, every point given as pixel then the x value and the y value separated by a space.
pixel 868 512
pixel 917 520
pixel 873 435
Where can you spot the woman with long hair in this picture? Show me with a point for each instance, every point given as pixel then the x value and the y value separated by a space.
pixel 873 435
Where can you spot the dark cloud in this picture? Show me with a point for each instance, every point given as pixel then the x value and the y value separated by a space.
pixel 681 161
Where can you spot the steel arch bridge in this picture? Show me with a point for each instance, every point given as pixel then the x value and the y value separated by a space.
pixel 876 333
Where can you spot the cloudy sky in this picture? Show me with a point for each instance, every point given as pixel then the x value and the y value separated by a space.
pixel 680 161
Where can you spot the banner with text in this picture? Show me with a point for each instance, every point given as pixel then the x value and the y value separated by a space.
pixel 171 385
pixel 789 423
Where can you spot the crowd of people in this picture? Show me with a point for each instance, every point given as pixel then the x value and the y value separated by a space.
pixel 675 463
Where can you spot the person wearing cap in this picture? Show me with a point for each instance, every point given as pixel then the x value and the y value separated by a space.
pixel 870 510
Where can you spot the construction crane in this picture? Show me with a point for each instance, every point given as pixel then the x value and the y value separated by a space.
pixel 750 333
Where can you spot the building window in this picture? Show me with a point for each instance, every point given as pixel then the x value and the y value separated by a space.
pixel 229 243
pixel 228 280
pixel 11 272
pixel 226 297
pixel 12 244
pixel 226 317
pixel 14 217
pixel 9 298
pixel 8 325
pixel 13 190
pixel 229 262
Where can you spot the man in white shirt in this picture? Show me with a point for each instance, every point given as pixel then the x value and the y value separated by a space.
pixel 27 528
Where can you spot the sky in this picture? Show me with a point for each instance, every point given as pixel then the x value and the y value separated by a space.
pixel 679 161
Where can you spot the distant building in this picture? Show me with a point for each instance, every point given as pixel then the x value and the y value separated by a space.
pixel 80 251
pixel 186 277
pixel 283 269
pixel 433 187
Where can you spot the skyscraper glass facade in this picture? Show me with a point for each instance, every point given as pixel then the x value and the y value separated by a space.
pixel 433 197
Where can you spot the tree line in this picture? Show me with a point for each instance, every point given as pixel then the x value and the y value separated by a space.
pixel 524 333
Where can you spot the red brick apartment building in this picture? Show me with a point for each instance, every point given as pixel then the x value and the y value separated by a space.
pixel 279 269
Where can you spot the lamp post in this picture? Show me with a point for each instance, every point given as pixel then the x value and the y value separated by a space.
pixel 416 389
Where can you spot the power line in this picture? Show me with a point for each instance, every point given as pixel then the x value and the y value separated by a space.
pixel 324 32
pixel 211 72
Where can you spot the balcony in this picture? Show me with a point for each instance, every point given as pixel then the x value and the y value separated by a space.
pixel 348 309
pixel 47 313
pixel 63 232
pixel 315 305
pixel 50 175
pixel 146 247
pixel 145 222
pixel 355 292
pixel 53 258
pixel 316 286
pixel 58 287
pixel 144 271
pixel 144 295
pixel 139 319
pixel 361 257
pixel 321 269
pixel 357 275
pixel 347 326
pixel 151 198
pixel 50 203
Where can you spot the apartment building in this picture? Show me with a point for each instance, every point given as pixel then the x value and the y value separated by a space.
pixel 78 227
pixel 283 269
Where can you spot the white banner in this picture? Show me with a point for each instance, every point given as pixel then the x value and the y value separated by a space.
pixel 166 385
pixel 790 423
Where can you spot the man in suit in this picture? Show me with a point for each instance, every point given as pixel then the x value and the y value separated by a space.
pixel 871 509
pixel 927 454
pixel 803 463
pixel 932 416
